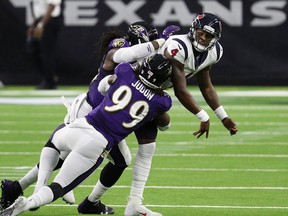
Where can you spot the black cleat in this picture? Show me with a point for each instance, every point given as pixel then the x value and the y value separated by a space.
pixel 11 190
pixel 87 207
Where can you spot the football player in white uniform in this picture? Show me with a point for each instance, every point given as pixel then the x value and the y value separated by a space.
pixel 193 54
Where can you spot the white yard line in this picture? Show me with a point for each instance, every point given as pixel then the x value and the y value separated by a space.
pixel 180 155
pixel 49 97
pixel 186 206
pixel 16 170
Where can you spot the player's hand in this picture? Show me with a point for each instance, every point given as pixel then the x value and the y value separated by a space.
pixel 230 125
pixel 37 33
pixel 169 30
pixel 204 128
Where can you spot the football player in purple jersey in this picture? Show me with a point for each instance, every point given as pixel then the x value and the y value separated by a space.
pixel 133 96
pixel 193 54
pixel 115 49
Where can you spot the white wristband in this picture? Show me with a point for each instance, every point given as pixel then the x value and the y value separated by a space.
pixel 220 113
pixel 202 116
pixel 160 41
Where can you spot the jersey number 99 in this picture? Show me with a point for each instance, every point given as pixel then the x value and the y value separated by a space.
pixel 121 98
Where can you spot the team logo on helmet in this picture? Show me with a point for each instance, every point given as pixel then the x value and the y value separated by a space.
pixel 200 16
pixel 119 42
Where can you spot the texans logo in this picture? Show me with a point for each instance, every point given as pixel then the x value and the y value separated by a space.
pixel 200 16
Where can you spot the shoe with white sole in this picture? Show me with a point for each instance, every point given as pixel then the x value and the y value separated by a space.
pixel 19 206
pixel 138 209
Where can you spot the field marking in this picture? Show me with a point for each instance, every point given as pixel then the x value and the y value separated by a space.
pixel 179 155
pixel 71 94
pixel 175 144
pixel 186 206
pixel 40 92
pixel 241 107
pixel 192 187
pixel 230 93
pixel 222 155
pixel 27 168
pixel 178 123
pixel 243 133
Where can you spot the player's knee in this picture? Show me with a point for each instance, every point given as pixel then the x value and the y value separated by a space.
pixel 56 189
pixel 49 144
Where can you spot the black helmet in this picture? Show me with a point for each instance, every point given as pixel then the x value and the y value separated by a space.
pixel 154 71
pixel 207 22
pixel 141 32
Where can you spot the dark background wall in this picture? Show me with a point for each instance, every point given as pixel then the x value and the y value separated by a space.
pixel 254 39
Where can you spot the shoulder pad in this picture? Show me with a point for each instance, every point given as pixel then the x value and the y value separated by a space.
pixel 118 43
pixel 178 50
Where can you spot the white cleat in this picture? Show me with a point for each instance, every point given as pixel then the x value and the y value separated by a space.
pixel 138 209
pixel 69 197
pixel 19 206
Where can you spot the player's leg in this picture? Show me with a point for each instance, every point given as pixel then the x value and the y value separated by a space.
pixel 84 158
pixel 146 137
pixel 11 190
pixel 120 158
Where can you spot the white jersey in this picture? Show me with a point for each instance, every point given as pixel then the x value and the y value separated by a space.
pixel 40 7
pixel 181 48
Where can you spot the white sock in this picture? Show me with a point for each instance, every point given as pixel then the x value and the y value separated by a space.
pixel 48 161
pixel 29 178
pixel 98 191
pixel 141 170
pixel 42 197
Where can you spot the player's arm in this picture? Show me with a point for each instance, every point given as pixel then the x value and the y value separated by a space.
pixel 138 51
pixel 48 15
pixel 130 54
pixel 105 83
pixel 211 97
pixel 184 96
pixel 38 30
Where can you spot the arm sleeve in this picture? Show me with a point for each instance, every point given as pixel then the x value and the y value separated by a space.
pixel 131 54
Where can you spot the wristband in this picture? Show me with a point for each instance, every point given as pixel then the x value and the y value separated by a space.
pixel 202 116
pixel 160 42
pixel 220 113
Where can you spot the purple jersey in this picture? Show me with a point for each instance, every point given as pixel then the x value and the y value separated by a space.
pixel 94 98
pixel 127 105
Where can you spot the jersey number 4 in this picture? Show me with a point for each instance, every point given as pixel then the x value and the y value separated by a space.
pixel 121 98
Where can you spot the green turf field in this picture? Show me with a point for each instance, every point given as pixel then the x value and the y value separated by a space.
pixel 241 175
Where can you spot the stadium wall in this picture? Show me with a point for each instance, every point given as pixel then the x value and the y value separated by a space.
pixel 254 37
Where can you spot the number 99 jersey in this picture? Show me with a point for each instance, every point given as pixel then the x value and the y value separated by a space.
pixel 127 105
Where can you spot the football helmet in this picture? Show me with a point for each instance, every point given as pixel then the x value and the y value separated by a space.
pixel 209 23
pixel 154 71
pixel 141 32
